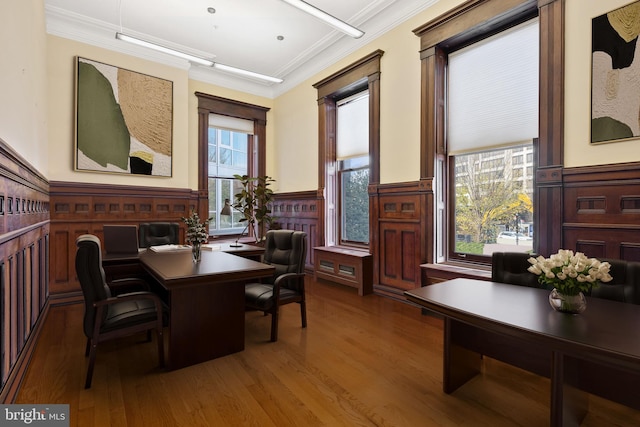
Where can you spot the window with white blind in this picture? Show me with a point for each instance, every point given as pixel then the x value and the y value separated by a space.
pixel 228 155
pixel 352 164
pixel 492 123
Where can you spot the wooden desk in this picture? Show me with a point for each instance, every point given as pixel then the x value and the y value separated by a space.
pixel 206 301
pixel 597 351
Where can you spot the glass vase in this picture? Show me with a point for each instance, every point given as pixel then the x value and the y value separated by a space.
pixel 196 252
pixel 572 304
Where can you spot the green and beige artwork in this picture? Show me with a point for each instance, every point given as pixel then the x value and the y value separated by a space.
pixel 124 120
pixel 615 89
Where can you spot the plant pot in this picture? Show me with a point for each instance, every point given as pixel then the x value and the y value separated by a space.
pixel 571 304
pixel 196 252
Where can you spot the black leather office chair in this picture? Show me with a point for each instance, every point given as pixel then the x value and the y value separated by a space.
pixel 286 250
pixel 158 233
pixel 625 283
pixel 511 267
pixel 106 316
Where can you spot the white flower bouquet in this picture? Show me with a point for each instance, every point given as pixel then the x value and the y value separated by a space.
pixel 570 273
pixel 196 230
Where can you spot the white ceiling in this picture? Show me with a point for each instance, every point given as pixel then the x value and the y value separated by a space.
pixel 241 33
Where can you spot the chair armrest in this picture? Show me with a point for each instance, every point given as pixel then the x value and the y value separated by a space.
pixel 287 277
pixel 132 296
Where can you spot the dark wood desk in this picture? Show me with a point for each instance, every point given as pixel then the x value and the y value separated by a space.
pixel 597 351
pixel 206 301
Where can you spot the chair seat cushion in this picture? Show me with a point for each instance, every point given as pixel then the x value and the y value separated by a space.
pixel 260 296
pixel 126 313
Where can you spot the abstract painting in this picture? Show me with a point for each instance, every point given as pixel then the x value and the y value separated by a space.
pixel 124 121
pixel 615 75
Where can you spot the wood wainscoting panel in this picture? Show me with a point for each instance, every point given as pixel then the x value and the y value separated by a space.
pixel 80 208
pixel 400 247
pixel 602 211
pixel 24 255
pixel 299 211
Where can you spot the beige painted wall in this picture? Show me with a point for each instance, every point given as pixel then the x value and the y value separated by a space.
pixel 61 54
pixel 296 112
pixel 61 66
pixel 292 129
pixel 23 71
pixel 578 150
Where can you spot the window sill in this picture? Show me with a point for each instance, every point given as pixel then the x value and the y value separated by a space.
pixel 434 273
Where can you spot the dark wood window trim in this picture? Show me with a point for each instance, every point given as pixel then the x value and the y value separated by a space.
pixel 464 25
pixel 208 104
pixel 362 74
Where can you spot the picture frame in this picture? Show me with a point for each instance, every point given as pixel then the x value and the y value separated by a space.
pixel 123 121
pixel 615 75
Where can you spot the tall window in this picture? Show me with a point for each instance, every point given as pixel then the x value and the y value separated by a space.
pixel 228 155
pixel 492 124
pixel 352 161
pixel 349 147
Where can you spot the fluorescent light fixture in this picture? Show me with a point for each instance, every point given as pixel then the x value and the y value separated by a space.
pixel 196 59
pixel 246 73
pixel 159 48
pixel 324 16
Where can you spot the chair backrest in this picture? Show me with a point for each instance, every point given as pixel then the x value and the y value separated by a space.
pixel 511 267
pixel 158 233
pixel 91 277
pixel 286 250
pixel 625 283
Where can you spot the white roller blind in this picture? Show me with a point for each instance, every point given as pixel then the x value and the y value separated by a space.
pixel 493 90
pixel 231 123
pixel 352 120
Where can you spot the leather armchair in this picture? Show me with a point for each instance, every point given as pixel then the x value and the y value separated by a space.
pixel 107 316
pixel 286 250
pixel 158 233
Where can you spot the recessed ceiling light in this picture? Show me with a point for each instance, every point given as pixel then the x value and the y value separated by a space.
pixel 211 10
pixel 280 38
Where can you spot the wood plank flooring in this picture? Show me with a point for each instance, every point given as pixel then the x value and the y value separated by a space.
pixel 362 361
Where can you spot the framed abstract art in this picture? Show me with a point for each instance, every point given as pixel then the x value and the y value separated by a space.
pixel 124 121
pixel 615 75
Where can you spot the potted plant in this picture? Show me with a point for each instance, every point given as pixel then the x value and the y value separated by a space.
pixel 196 234
pixel 253 202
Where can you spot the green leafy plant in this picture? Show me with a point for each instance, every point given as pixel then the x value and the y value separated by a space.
pixel 253 202
pixel 196 229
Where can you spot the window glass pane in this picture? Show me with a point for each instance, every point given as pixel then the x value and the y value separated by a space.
pixel 355 206
pixel 225 137
pixel 493 202
pixel 225 156
pixel 240 141
pixel 239 159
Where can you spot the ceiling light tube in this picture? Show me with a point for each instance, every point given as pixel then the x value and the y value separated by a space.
pixel 159 48
pixel 246 73
pixel 324 16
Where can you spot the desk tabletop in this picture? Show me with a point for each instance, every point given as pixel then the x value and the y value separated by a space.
pixel 177 268
pixel 605 327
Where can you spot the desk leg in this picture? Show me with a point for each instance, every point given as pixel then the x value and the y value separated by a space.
pixel 460 364
pixel 569 405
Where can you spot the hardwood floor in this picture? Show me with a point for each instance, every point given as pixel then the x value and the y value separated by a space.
pixel 362 361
